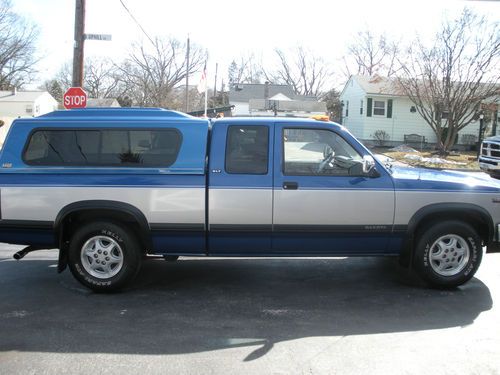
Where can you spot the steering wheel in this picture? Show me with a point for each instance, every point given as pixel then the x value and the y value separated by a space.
pixel 328 156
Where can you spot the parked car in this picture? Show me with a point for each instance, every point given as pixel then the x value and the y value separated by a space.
pixel 489 156
pixel 109 187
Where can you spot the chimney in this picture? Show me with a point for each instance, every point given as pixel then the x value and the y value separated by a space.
pixel 14 91
pixel 266 90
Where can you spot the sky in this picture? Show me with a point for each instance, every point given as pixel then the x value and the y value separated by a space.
pixel 229 29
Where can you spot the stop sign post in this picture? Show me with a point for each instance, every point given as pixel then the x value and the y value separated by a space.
pixel 75 97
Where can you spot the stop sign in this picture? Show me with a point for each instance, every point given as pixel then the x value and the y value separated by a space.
pixel 75 97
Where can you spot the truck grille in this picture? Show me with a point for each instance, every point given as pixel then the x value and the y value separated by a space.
pixel 490 149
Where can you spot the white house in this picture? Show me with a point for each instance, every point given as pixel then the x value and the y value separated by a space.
pixel 376 103
pixel 270 99
pixel 15 104
pixel 102 102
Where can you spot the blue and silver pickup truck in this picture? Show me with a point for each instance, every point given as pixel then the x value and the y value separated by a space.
pixel 108 187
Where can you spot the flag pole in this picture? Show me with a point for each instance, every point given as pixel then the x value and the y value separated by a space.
pixel 206 99
pixel 203 87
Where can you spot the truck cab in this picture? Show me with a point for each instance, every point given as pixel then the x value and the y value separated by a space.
pixel 293 187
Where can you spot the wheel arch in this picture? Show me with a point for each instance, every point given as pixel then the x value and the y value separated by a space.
pixel 100 210
pixel 474 215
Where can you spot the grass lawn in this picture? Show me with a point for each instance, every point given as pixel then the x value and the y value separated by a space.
pixel 467 159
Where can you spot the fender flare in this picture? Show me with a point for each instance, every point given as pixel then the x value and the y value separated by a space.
pixel 469 209
pixel 105 205
pixel 453 209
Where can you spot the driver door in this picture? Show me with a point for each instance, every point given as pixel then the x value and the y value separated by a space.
pixel 323 203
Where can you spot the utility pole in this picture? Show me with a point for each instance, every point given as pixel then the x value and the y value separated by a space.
pixel 186 108
pixel 79 41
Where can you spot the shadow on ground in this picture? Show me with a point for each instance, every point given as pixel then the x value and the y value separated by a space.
pixel 197 305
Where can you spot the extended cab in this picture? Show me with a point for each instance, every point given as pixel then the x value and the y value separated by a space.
pixel 108 187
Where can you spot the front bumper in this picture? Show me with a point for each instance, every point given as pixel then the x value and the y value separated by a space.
pixel 489 164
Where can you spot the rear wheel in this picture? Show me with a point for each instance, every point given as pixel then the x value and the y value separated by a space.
pixel 448 254
pixel 104 256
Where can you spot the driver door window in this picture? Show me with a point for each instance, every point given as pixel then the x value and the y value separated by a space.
pixel 319 152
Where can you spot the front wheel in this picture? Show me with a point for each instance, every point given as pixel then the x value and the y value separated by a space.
pixel 104 256
pixel 448 254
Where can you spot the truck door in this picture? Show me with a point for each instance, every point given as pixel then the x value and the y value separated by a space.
pixel 240 189
pixel 323 203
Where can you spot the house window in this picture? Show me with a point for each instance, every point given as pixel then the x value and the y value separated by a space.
pixel 361 107
pixel 379 108
pixel 347 109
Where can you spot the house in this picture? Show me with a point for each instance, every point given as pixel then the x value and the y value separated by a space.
pixel 372 104
pixel 102 102
pixel 15 104
pixel 272 100
pixel 26 103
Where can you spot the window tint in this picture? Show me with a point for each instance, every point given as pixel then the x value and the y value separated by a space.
pixel 145 148
pixel 247 149
pixel 319 152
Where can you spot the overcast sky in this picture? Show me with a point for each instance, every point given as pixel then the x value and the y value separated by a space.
pixel 228 29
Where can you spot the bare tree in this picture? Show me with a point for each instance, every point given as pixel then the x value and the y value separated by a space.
pixel 245 70
pixel 301 69
pixel 101 78
pixel 371 54
pixel 17 48
pixel 150 73
pixel 448 80
pixel 65 76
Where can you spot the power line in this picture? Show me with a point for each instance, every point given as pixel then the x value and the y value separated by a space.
pixel 137 22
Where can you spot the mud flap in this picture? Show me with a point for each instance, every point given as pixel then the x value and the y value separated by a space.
pixel 493 247
pixel 62 261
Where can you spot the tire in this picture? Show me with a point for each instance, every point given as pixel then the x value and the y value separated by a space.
pixel 448 254
pixel 104 256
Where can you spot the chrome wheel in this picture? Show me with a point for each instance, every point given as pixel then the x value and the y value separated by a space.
pixel 102 257
pixel 449 255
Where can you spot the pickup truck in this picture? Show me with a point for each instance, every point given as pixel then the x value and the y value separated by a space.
pixel 489 156
pixel 110 187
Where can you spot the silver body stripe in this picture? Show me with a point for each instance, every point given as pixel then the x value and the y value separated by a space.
pixel 159 205
pixel 409 202
pixel 334 207
pixel 240 206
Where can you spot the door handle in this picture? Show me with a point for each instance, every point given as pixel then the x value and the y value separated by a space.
pixel 289 185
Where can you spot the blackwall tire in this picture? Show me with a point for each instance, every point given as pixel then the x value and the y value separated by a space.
pixel 448 254
pixel 104 256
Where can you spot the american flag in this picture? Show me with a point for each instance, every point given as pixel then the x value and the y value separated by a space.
pixel 202 86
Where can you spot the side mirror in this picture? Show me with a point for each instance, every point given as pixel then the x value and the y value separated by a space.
pixel 369 166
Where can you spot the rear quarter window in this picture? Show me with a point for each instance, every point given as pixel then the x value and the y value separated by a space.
pixel 247 149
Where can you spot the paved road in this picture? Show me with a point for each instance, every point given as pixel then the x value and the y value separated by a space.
pixel 212 316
